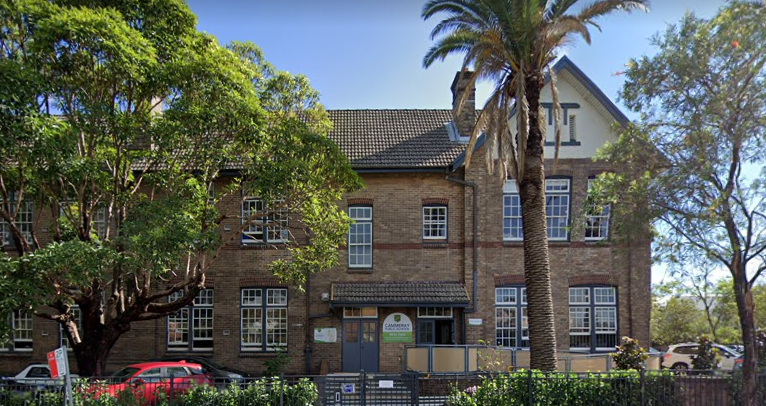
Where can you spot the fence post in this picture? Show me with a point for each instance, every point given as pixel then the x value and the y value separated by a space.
pixel 608 362
pixel 281 389
pixel 531 397
pixel 643 386
pixel 172 391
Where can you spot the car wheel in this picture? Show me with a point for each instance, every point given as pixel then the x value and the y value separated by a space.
pixel 680 367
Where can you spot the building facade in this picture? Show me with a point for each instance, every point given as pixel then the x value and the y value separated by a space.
pixel 434 257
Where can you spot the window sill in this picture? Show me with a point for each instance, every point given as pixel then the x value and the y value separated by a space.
pixel 17 353
pixel 360 270
pixel 188 352
pixel 262 246
pixel 435 244
pixel 260 354
pixel 563 143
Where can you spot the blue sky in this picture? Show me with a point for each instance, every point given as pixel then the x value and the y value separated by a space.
pixel 368 54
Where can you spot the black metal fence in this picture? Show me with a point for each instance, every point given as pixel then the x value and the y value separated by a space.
pixel 697 388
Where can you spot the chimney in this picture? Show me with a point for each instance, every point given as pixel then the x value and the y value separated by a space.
pixel 467 119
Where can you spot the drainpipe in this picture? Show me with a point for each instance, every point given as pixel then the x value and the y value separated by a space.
pixel 308 349
pixel 475 253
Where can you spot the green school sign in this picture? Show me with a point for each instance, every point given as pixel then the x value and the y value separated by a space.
pixel 397 328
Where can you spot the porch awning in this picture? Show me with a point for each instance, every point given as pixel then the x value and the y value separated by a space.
pixel 399 294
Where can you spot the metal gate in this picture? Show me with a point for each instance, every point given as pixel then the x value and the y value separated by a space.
pixel 365 389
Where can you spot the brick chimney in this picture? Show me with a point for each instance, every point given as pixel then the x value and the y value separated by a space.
pixel 467 118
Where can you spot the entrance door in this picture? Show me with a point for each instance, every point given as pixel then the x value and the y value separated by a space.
pixel 439 332
pixel 360 345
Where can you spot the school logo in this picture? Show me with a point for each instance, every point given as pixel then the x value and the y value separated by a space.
pixel 397 318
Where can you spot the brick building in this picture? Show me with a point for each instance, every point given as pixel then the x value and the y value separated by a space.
pixel 434 257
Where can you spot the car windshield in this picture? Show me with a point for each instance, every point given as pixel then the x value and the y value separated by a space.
pixel 123 375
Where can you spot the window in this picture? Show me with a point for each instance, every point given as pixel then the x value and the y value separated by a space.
pixel 556 209
pixel 263 307
pixel 434 222
pixel 97 220
pixel 435 312
pixel 572 128
pixel 360 237
pixel 21 332
pixel 597 219
pixel 511 321
pixel 363 312
pixel 23 221
pixel 191 328
pixel 593 318
pixel 264 227
pixel 77 316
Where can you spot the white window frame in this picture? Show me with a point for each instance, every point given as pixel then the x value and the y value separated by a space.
pixel 361 227
pixel 20 339
pixel 435 222
pixel 77 315
pixel 24 220
pixel 513 229
pixel 598 304
pixel 557 190
pixel 597 219
pixel 267 228
pixel 97 219
pixel 435 312
pixel 196 322
pixel 511 301
pixel 359 313
pixel 264 318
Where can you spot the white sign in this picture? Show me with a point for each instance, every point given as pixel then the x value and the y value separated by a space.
pixel 474 322
pixel 385 384
pixel 57 363
pixel 397 328
pixel 325 335
pixel 348 388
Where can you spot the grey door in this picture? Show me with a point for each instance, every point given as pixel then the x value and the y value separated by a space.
pixel 360 345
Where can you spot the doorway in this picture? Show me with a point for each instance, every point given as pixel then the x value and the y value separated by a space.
pixel 360 345
pixel 436 332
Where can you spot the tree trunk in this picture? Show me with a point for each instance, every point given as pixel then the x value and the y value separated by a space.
pixel 93 352
pixel 537 272
pixel 746 309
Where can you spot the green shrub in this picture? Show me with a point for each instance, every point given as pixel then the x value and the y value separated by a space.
pixel 620 388
pixel 707 357
pixel 275 366
pixel 629 355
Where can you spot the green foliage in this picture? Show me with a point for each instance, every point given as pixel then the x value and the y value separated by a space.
pixel 623 388
pixel 275 366
pixel 629 355
pixel 121 111
pixel 706 357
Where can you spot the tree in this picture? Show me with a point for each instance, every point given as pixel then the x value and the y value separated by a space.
pixel 697 154
pixel 675 317
pixel 513 43
pixel 122 189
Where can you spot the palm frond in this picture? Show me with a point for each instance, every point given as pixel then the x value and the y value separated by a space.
pixel 604 7
pixel 522 117
pixel 456 43
pixel 564 26
pixel 556 108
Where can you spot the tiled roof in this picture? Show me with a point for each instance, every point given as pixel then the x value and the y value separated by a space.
pixel 399 293
pixel 394 138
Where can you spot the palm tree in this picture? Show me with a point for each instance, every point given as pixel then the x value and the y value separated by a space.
pixel 512 43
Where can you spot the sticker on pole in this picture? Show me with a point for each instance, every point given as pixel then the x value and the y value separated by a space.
pixel 57 363
pixel 348 388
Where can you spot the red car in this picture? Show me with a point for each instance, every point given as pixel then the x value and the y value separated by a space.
pixel 149 380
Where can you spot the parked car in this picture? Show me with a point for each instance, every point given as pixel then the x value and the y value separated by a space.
pixel 223 376
pixel 679 356
pixel 146 381
pixel 37 376
pixel 738 348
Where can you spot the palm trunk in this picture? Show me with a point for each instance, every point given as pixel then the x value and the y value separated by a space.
pixel 537 272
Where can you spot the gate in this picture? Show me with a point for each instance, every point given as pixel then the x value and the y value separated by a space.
pixel 365 389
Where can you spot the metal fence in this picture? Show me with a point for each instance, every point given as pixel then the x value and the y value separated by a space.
pixel 697 388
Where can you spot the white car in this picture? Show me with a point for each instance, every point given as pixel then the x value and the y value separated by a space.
pixel 679 356
pixel 38 375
